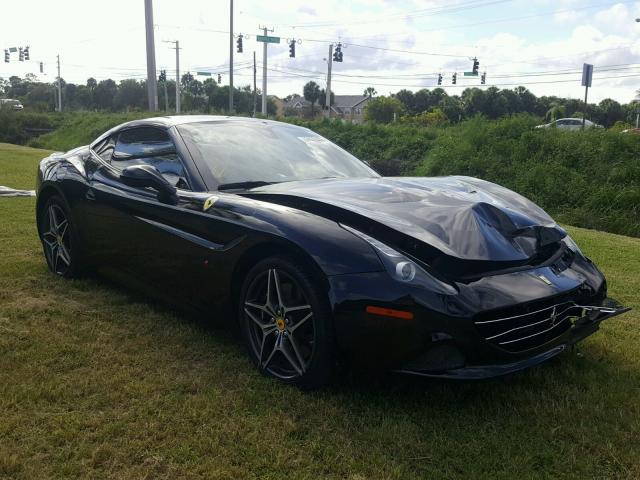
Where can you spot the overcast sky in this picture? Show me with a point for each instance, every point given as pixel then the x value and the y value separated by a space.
pixel 541 44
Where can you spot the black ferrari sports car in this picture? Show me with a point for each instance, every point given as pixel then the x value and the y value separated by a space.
pixel 320 261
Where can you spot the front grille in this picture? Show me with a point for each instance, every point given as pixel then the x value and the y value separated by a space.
pixel 530 327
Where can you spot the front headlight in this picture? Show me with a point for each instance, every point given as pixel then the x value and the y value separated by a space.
pixel 402 268
pixel 571 245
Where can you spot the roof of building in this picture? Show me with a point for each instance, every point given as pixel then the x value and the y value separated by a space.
pixel 341 101
pixel 296 100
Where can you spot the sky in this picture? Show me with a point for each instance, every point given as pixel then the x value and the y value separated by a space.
pixel 390 45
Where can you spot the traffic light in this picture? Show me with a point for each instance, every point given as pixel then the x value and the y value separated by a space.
pixel 163 76
pixel 239 43
pixel 7 57
pixel 219 78
pixel 439 79
pixel 483 78
pixel 292 48
pixel 26 53
pixel 476 65
pixel 21 54
pixel 454 78
pixel 337 55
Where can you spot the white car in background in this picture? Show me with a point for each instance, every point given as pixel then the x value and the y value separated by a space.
pixel 570 124
pixel 11 104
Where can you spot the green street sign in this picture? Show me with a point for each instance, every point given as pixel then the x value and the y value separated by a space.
pixel 267 39
pixel 470 74
pixel 13 49
pixel 206 74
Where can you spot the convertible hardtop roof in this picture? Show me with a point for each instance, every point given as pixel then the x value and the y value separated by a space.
pixel 173 120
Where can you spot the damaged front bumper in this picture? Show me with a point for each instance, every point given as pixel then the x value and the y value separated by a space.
pixel 583 326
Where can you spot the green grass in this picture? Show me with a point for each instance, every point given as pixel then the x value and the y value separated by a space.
pixel 98 383
pixel 18 166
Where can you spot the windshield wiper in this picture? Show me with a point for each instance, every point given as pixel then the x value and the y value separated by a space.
pixel 244 185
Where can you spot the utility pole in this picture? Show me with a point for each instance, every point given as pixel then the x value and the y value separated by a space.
pixel 177 48
pixel 255 94
pixel 59 87
pixel 152 82
pixel 166 95
pixel 329 63
pixel 178 94
pixel 264 72
pixel 231 56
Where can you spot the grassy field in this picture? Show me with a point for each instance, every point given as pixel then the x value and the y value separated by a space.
pixel 97 383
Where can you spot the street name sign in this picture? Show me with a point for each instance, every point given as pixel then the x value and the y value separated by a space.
pixel 267 39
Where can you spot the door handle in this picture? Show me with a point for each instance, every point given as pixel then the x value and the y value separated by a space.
pixel 90 195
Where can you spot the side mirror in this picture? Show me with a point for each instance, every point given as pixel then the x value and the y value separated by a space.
pixel 148 176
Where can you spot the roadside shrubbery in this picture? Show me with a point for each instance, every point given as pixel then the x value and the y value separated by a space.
pixel 390 149
pixel 590 179
pixel 19 127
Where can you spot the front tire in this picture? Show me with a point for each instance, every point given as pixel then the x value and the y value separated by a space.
pixel 59 239
pixel 286 323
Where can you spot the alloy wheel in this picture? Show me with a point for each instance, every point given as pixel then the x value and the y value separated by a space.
pixel 56 239
pixel 280 324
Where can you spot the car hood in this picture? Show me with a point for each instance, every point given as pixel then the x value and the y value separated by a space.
pixel 462 217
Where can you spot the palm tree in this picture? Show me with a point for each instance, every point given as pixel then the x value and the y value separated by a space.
pixel 369 92
pixel 311 93
pixel 555 112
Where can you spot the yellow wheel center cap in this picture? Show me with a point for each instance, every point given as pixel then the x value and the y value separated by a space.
pixel 280 323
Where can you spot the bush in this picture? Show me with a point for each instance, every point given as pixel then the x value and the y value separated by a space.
pixel 18 127
pixel 432 118
pixel 390 149
pixel 383 109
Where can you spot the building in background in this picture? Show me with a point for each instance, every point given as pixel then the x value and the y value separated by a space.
pixel 345 107
pixel 350 107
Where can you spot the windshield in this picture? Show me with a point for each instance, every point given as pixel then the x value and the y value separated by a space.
pixel 238 152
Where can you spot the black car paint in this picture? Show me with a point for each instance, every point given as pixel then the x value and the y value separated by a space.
pixel 197 248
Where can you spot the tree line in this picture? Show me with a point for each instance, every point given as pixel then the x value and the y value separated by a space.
pixel 436 106
pixel 130 95
pixel 425 106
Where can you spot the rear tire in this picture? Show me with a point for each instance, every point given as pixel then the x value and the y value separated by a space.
pixel 287 324
pixel 60 242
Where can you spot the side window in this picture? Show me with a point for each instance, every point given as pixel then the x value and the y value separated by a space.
pixel 151 146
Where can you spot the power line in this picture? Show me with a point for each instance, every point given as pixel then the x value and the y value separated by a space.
pixel 415 76
pixel 403 16
pixel 289 74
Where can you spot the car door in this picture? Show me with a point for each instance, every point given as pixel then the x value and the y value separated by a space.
pixel 133 231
